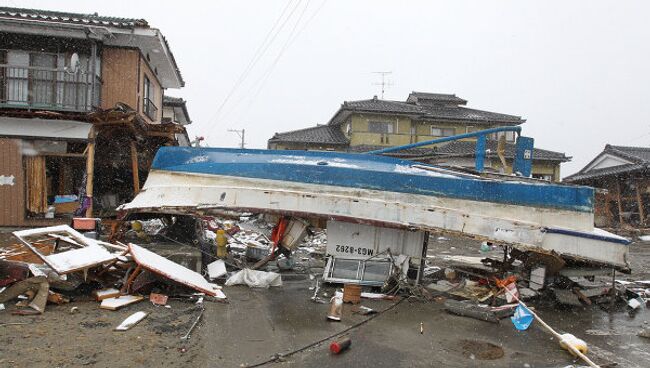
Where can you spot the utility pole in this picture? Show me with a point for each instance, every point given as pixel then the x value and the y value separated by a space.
pixel 241 134
pixel 384 83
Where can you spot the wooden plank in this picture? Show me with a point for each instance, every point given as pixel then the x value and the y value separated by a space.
pixel 639 202
pixel 620 205
pixel 90 171
pixel 135 168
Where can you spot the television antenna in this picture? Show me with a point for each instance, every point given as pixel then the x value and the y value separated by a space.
pixel 384 83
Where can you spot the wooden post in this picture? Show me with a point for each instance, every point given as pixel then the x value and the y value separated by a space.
pixel 620 205
pixel 134 167
pixel 640 203
pixel 90 170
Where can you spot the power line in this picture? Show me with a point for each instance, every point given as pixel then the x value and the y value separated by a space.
pixel 261 50
pixel 262 80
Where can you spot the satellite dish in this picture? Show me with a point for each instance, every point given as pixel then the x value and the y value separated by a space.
pixel 74 65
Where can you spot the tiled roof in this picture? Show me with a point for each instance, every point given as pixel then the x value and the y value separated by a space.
pixel 639 156
pixel 177 102
pixel 636 154
pixel 74 18
pixel 607 171
pixel 326 134
pixel 414 97
pixel 468 148
pixel 464 149
pixel 447 111
pixel 170 100
pixel 403 153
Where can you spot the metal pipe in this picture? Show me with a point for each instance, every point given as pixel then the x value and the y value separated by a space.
pixel 479 133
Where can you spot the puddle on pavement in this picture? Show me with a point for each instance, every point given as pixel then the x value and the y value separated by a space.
pixel 481 350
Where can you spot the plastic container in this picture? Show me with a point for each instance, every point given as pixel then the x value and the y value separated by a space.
pixel 352 293
pixel 336 308
pixel 222 244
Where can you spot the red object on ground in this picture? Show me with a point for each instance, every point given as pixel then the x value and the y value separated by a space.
pixel 84 223
pixel 158 299
pixel 337 347
pixel 278 233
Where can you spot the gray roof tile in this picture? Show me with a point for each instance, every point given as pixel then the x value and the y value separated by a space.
pixel 65 17
pixel 447 110
pixel 639 156
pixel 468 148
pixel 326 134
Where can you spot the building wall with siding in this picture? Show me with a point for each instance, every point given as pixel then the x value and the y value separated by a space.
pixel 12 197
pixel 157 95
pixel 120 77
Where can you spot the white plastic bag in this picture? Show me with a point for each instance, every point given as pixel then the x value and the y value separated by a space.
pixel 254 278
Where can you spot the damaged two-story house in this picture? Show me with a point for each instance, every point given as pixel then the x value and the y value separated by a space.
pixel 82 112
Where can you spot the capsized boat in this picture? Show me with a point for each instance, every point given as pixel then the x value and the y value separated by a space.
pixel 382 191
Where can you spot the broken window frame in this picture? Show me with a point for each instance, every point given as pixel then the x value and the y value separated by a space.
pixel 65 233
pixel 362 265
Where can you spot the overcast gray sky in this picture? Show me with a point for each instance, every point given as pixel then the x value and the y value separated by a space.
pixel 578 71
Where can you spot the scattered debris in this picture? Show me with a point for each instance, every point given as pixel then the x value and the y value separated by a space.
pixel 173 271
pixel 131 321
pixel 196 322
pixel 217 269
pixel 352 293
pixel 38 287
pixel 106 293
pixel 479 311
pixel 336 308
pixel 72 251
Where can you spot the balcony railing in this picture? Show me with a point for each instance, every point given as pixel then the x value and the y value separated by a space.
pixel 150 109
pixel 29 87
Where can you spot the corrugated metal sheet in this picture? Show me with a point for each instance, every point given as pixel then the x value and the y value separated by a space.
pixel 44 128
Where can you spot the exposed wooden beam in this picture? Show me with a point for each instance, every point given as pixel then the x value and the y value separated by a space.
pixel 90 170
pixel 618 201
pixel 639 202
pixel 134 166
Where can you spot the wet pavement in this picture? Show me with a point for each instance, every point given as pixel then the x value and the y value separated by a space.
pixel 258 324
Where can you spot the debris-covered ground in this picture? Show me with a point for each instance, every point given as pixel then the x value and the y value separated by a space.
pixel 287 325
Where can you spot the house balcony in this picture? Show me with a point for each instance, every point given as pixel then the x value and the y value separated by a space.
pixel 39 88
pixel 150 109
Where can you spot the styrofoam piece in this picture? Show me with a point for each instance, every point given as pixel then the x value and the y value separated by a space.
pixel 131 321
pixel 173 271
pixel 216 269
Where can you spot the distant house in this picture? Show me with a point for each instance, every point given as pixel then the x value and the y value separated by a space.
pixel 623 174
pixel 360 126
pixel 175 112
pixel 82 112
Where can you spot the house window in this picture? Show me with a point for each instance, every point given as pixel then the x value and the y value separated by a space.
pixel 543 177
pixel 380 127
pixel 510 136
pixel 147 101
pixel 442 132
